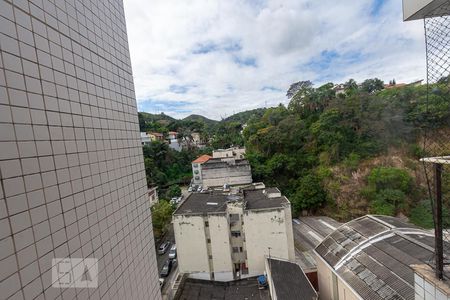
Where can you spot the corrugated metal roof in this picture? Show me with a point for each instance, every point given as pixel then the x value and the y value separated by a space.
pixel 373 255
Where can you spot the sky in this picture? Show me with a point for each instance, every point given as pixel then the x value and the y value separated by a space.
pixel 219 57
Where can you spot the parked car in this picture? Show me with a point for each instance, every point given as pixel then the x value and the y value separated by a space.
pixel 175 200
pixel 165 271
pixel 174 263
pixel 161 282
pixel 163 247
pixel 190 189
pixel 173 252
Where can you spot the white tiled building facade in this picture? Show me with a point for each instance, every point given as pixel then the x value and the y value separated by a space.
pixel 71 165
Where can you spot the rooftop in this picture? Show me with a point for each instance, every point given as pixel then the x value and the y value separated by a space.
pixel 258 199
pixel 374 254
pixel 289 281
pixel 311 231
pixel 195 289
pixel 223 162
pixel 308 233
pixel 216 201
pixel 202 159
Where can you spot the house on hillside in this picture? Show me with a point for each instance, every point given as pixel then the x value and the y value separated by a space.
pixel 145 139
pixel 173 135
pixel 172 139
pixel 153 195
pixel 234 152
pixel 156 136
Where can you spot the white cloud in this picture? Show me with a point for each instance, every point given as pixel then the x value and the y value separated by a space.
pixel 219 57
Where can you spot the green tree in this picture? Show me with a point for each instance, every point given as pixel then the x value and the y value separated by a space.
pixel 309 194
pixel 174 191
pixel 161 217
pixel 372 85
pixel 383 178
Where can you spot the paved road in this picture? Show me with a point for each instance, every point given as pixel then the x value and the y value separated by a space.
pixel 161 259
pixel 166 290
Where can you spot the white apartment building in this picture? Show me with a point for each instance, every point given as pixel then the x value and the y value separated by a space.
pixel 222 236
pixel 145 139
pixel 153 195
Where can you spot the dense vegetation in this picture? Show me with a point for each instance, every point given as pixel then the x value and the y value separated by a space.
pixel 166 167
pixel 336 152
pixel 341 154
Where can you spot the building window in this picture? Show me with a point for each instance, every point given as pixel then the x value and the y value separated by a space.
pixel 240 249
pixel 206 224
pixel 210 256
pixel 235 249
pixel 244 269
pixel 236 234
pixel 234 217
pixel 208 241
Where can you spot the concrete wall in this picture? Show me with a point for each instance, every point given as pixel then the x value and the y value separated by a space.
pixel 71 167
pixel 191 244
pixel 273 293
pixel 197 167
pixel 331 287
pixel 220 247
pixel 264 229
pixel 325 280
pixel 226 174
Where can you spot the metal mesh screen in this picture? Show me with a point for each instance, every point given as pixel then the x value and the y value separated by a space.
pixel 437 123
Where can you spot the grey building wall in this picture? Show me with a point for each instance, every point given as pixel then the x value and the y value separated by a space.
pixel 71 165
pixel 218 174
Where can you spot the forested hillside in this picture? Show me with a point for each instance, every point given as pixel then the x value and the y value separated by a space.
pixel 341 154
pixel 352 153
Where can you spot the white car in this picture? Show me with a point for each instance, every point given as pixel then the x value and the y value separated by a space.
pixel 173 252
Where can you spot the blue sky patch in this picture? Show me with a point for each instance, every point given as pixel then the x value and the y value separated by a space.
pixel 158 106
pixel 179 89
pixel 203 48
pixel 245 61
pixel 377 5
pixel 271 88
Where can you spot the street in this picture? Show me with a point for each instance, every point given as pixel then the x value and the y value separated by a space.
pixel 166 290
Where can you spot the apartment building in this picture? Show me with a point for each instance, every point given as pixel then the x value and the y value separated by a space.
pixel 153 195
pixel 145 139
pixel 226 166
pixel 222 236
pixel 73 190
pixel 197 169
